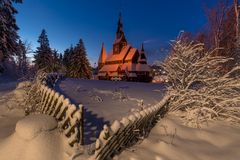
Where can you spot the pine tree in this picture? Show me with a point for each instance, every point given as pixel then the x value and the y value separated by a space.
pixel 44 58
pixel 79 66
pixel 66 59
pixel 56 61
pixel 21 58
pixel 61 58
pixel 8 29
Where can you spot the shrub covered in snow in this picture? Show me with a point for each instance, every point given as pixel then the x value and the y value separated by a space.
pixel 33 98
pixel 199 86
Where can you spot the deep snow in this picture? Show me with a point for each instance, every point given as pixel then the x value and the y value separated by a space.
pixel 111 100
pixel 106 101
pixel 8 115
pixel 171 140
pixel 35 138
pixel 168 140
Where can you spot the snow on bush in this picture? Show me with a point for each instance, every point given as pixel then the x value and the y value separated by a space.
pixel 23 84
pixel 17 98
pixel 21 91
pixel 199 86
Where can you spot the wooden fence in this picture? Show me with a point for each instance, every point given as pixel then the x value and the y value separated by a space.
pixel 113 139
pixel 127 131
pixel 69 116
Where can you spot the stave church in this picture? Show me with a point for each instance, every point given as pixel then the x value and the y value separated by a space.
pixel 124 62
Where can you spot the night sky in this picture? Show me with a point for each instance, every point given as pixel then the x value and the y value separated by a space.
pixel 154 22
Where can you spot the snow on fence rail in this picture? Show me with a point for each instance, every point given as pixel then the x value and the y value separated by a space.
pixel 69 116
pixel 126 131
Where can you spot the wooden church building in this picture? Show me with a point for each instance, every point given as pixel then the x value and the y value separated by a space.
pixel 124 62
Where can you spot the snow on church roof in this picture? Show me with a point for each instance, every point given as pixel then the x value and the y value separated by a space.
pixel 131 54
pixel 130 67
pixel 109 68
pixel 120 56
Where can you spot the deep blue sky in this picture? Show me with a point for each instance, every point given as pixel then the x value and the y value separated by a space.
pixel 154 22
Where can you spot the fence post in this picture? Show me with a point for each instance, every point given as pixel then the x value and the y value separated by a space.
pixel 81 139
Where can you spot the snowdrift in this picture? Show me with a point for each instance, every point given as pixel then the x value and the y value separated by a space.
pixel 35 138
pixel 171 140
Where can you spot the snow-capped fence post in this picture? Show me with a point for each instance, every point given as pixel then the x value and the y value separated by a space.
pixel 70 117
pixel 126 132
pixel 81 127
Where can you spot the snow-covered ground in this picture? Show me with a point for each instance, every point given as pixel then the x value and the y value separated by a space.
pixel 171 140
pixel 8 116
pixel 34 137
pixel 7 84
pixel 106 101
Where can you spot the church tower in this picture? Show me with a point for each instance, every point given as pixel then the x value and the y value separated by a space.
pixel 102 57
pixel 120 40
pixel 142 57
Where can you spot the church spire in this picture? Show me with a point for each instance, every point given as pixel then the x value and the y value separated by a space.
pixel 102 57
pixel 120 40
pixel 142 48
pixel 119 27
pixel 142 57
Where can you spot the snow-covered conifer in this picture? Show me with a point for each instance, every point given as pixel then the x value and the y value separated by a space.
pixel 79 66
pixel 8 29
pixel 43 58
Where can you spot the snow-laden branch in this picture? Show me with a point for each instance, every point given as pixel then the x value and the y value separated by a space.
pixel 199 85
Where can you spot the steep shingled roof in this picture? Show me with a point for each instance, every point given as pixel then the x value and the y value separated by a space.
pixel 131 54
pixel 109 68
pixel 118 57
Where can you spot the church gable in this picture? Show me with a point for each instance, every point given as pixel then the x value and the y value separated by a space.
pixel 118 58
